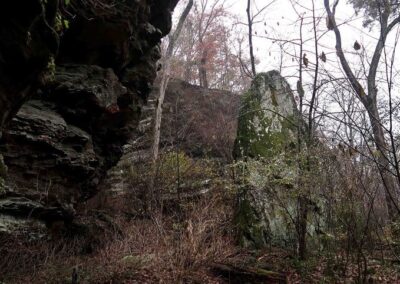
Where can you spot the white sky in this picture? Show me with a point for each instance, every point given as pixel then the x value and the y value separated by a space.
pixel 282 12
pixel 282 22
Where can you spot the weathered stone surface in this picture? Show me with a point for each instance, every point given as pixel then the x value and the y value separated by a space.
pixel 28 40
pixel 203 125
pixel 268 118
pixel 24 207
pixel 101 86
pixel 266 139
pixel 60 156
pixel 31 229
pixel 87 84
pixel 202 121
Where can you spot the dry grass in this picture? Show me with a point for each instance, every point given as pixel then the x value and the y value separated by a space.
pixel 164 249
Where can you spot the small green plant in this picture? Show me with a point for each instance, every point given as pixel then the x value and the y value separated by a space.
pixel 61 24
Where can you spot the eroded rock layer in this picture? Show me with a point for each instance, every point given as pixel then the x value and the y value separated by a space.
pixel 73 80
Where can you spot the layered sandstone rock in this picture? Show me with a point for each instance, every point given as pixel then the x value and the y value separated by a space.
pixel 73 81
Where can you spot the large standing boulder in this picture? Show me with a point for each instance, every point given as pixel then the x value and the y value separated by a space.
pixel 268 118
pixel 264 149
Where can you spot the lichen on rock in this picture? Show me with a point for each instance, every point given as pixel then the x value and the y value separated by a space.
pixel 265 148
pixel 268 118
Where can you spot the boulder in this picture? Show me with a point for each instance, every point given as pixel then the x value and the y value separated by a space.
pixel 28 41
pixel 268 118
pixel 264 149
pixel 203 121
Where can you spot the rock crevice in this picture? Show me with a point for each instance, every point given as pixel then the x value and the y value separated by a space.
pixel 71 95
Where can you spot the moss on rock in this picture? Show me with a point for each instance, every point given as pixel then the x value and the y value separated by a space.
pixel 268 118
pixel 253 228
pixel 266 143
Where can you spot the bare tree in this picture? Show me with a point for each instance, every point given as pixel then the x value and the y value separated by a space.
pixel 165 76
pixel 208 52
pixel 368 95
pixel 251 20
pixel 208 13
pixel 250 25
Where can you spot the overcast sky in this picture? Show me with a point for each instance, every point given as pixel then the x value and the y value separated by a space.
pixel 282 22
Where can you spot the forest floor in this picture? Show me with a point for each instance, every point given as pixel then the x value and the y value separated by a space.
pixel 195 250
pixel 191 241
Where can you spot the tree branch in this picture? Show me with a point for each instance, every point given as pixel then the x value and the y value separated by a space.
pixel 339 51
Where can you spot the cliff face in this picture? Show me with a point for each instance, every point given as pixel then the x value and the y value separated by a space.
pixel 73 80
pixel 201 122
pixel 197 121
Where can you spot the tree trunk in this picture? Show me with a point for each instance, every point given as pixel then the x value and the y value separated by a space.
pixel 165 76
pixel 302 227
pixel 203 69
pixel 383 161
pixel 165 79
pixel 250 24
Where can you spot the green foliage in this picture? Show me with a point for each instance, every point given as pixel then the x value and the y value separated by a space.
pixel 49 73
pixel 177 166
pixel 61 23
pixel 174 170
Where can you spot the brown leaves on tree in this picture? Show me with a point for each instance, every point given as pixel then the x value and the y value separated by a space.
pixel 357 46
pixel 305 60
pixel 323 57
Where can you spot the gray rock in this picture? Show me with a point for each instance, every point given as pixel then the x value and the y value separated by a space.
pixel 265 143
pixel 268 118
pixel 86 91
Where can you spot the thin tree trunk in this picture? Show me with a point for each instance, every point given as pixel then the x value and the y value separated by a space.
pixel 165 79
pixel 370 102
pixel 163 86
pixel 203 69
pixel 302 227
pixel 250 24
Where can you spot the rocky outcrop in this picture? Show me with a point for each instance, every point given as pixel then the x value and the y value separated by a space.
pixel 87 71
pixel 199 122
pixel 28 40
pixel 264 148
pixel 268 119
